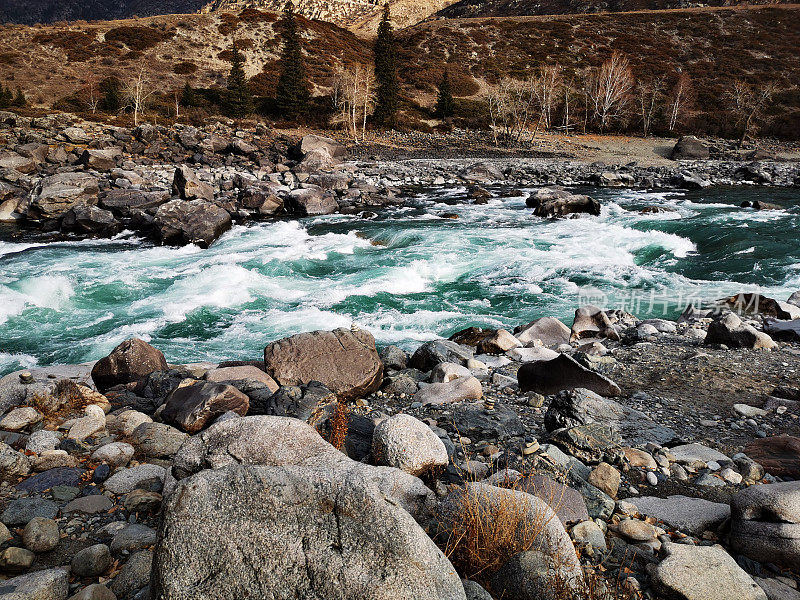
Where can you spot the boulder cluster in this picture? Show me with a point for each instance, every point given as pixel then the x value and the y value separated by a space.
pixel 499 463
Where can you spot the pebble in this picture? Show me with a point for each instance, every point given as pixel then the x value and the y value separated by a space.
pixel 652 479
pixel 40 535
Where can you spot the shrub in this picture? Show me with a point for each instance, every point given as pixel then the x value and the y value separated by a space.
pixel 184 68
pixel 138 38
pixel 340 422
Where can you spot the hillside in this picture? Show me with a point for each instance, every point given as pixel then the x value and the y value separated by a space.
pixel 515 8
pixel 50 62
pixel 715 47
pixel 30 12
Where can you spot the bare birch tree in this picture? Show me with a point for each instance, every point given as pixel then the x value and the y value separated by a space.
pixel 610 90
pixel 680 99
pixel 510 106
pixel 748 103
pixel 650 95
pixel 138 91
pixel 354 97
pixel 546 86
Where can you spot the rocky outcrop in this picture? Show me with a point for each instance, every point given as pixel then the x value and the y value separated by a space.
pixel 326 532
pixel 191 222
pixel 87 219
pixel 344 360
pixel 548 330
pixel 131 361
pixel 312 201
pixel 186 185
pixel 56 194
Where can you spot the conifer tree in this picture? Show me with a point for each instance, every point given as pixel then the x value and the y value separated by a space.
pixel 445 106
pixel 19 99
pixel 386 73
pixel 188 95
pixel 112 94
pixel 5 97
pixel 292 94
pixel 238 101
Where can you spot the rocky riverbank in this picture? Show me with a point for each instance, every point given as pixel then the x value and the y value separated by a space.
pixel 611 458
pixel 181 184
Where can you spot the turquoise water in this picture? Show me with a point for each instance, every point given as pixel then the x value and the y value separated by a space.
pixel 407 276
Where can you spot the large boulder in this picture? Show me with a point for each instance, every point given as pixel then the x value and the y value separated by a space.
pixel 56 194
pixel 779 455
pixel 126 202
pixel 283 441
pixel 756 304
pixel 344 360
pixel 593 322
pixel 312 142
pixel 262 198
pixel 567 502
pixel 100 160
pixel 550 203
pixel 408 444
pixel 191 222
pixel 534 575
pixel 90 220
pixel 765 523
pixel 295 532
pixel 689 147
pixel 563 373
pixel 186 184
pixel 131 361
pixel 572 408
pixel 729 330
pixel 548 330
pixel 191 407
pixel 310 201
pixel 702 573
pixel 49 584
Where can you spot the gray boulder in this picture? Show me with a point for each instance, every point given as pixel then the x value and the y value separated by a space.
pixel 408 444
pixel 49 584
pixel 90 220
pixel 689 515
pixel 283 441
pixel 198 222
pixel 702 573
pixel 56 194
pixel 131 361
pixel 535 575
pixel 765 523
pixel 576 407
pixel 430 354
pixel 329 534
pixel 313 142
pixel 186 184
pixel 550 203
pixel 127 202
pixel 548 330
pixel 689 147
pixel 732 332
pixel 313 200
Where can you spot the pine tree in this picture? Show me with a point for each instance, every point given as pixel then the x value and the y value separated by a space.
pixel 5 97
pixel 19 99
pixel 188 95
pixel 238 101
pixel 445 106
pixel 386 73
pixel 292 94
pixel 112 94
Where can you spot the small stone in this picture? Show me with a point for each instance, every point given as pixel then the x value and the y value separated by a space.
pixel 731 476
pixel 92 561
pixel 94 421
pixel 652 479
pixel 20 418
pixel 126 480
pixel 20 511
pixel 42 440
pixel 40 535
pixel 115 454
pixel 606 478
pixel 89 505
pixel 96 591
pixel 636 530
pixel 134 537
pixel 14 560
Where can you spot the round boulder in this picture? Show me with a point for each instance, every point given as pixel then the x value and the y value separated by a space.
pixel 408 444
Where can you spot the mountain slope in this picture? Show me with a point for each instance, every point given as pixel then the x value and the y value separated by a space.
pixel 29 12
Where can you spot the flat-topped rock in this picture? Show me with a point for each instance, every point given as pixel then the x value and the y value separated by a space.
pixel 689 515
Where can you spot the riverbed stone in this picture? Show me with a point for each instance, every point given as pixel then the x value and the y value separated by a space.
pixel 344 360
pixel 192 407
pixel 134 575
pixel 409 444
pixel 345 525
pixel 181 222
pixel 92 561
pixel 20 418
pixel 779 455
pixel 702 573
pixel 126 480
pixel 456 390
pixel 115 454
pixel 48 584
pixel 430 354
pixel 733 333
pixel 563 373
pixel 131 361
pixel 548 330
pixel 20 511
pixel 40 535
pixel 689 515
